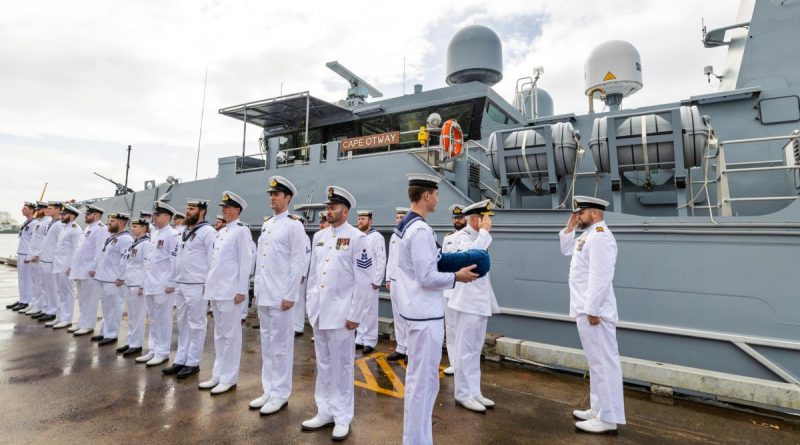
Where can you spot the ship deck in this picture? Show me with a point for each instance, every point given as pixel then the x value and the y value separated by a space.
pixel 56 388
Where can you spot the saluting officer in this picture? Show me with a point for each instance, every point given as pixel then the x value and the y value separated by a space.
pixel 473 303
pixel 195 250
pixel 24 267
pixel 47 253
pixel 109 272
pixel 397 321
pixel 134 280
pixel 419 285
pixel 448 245
pixel 281 255
pixel 367 332
pixel 159 285
pixel 41 225
pixel 339 283
pixel 594 306
pixel 85 260
pixel 227 286
pixel 66 246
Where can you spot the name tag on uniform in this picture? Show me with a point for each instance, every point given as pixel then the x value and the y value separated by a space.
pixel 321 243
pixel 133 252
pixel 581 242
pixel 343 244
pixel 160 244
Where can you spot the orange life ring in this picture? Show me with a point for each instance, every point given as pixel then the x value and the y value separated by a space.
pixel 452 138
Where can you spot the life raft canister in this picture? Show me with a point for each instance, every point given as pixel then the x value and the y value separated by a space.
pixel 452 138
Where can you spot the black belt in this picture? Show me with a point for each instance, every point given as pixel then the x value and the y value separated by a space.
pixel 422 319
pixel 194 284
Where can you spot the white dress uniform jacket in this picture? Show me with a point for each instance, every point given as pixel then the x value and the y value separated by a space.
pixel 367 332
pixel 24 269
pixel 195 251
pixel 397 320
pixel 25 234
pixel 48 279
pixel 280 259
pixel 67 242
pixel 135 256
pixel 231 263
pixel 88 250
pixel 160 264
pixel 39 232
pixel 478 296
pixel 111 262
pixel 134 280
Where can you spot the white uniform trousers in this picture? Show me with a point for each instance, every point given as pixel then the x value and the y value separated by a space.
pixel 36 285
pixel 422 380
pixel 469 337
pixel 88 292
pixel 137 310
pixel 299 310
pixel 192 324
pixel 245 308
pixel 49 288
pixel 111 304
pixel 333 391
pixel 24 271
pixel 66 297
pixel 400 325
pixel 159 311
pixel 277 350
pixel 367 330
pixel 450 326
pixel 605 372
pixel 227 340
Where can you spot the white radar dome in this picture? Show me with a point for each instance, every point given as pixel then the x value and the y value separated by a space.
pixel 614 66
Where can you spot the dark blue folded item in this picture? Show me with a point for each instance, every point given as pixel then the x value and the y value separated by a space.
pixel 455 261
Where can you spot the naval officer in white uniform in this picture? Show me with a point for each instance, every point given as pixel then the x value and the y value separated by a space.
pixel 47 255
pixel 472 305
pixel 281 254
pixel 339 284
pixel 66 246
pixel 89 247
pixel 133 282
pixel 367 332
pixel 23 263
pixel 195 250
pixel 594 306
pixel 110 273
pixel 41 225
pixel 419 286
pixel 397 321
pixel 227 286
pixel 448 246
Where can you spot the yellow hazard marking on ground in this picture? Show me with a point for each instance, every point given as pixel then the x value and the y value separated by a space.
pixel 609 76
pixel 398 388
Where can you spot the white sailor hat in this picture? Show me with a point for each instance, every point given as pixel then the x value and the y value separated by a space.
pixel 94 209
pixel 199 203
pixel 232 199
pixel 29 204
pixel 480 208
pixel 118 215
pixel 140 222
pixel 588 202
pixel 145 214
pixel 338 195
pixel 365 213
pixel 457 210
pixel 402 210
pixel 281 184
pixel 220 218
pixel 179 215
pixel 58 204
pixel 423 180
pixel 162 207
pixel 41 204
pixel 70 209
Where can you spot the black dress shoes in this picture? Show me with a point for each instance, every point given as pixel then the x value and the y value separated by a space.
pixel 122 349
pixel 187 371
pixel 395 356
pixel 47 318
pixel 38 315
pixel 298 333
pixel 368 350
pixel 20 307
pixel 172 370
pixel 97 337
pixel 107 341
pixel 359 346
pixel 131 351
pixel 11 306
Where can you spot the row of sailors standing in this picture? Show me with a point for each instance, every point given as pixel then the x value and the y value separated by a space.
pixel 341 271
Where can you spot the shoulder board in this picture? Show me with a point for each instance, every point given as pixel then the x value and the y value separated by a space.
pixel 267 218
pixel 101 224
pixel 240 224
pixel 75 225
pixel 599 229
pixel 294 217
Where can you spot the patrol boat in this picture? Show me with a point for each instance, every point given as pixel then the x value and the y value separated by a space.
pixel 703 197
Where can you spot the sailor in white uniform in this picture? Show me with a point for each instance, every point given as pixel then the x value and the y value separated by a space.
pixel 219 223
pixel 594 306
pixel 473 304
pixel 367 332
pixel 24 267
pixel 159 285
pixel 227 287
pixel 419 285
pixel 300 305
pixel 89 247
pixel 195 250
pixel 448 245
pixel 134 281
pixel 179 223
pixel 147 215
pixel 339 284
pixel 397 321
pixel 47 254
pixel 66 246
pixel 109 272
pixel 281 255
pixel 41 225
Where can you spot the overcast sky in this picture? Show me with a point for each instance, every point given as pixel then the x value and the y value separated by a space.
pixel 79 81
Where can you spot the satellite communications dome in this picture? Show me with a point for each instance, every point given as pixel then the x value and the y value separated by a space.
pixel 614 66
pixel 474 54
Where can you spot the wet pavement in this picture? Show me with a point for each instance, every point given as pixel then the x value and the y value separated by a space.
pixel 56 388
